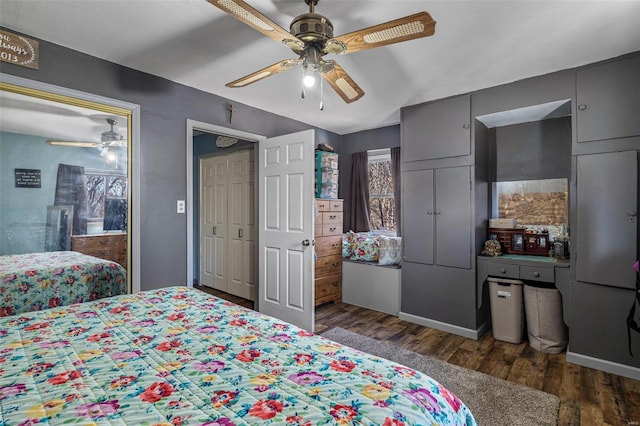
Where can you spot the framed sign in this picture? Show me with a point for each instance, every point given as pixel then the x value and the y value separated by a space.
pixel 19 50
pixel 28 178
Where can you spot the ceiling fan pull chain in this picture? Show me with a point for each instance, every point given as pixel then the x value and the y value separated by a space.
pixel 321 92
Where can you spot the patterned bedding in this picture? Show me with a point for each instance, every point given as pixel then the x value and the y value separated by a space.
pixel 179 356
pixel 35 281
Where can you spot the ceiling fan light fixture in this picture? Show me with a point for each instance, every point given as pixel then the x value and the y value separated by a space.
pixel 308 78
pixel 335 47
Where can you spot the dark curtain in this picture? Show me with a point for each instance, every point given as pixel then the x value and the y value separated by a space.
pixel 71 191
pixel 358 216
pixel 395 171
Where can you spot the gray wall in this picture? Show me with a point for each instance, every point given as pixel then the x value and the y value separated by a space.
pixel 23 211
pixel 384 137
pixel 537 150
pixel 165 107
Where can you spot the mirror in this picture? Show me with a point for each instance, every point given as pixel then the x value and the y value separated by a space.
pixel 58 228
pixel 64 174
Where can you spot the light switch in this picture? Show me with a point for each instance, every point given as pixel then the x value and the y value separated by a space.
pixel 181 206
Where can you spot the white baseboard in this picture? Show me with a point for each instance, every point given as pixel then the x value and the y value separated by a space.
pixel 449 328
pixel 604 365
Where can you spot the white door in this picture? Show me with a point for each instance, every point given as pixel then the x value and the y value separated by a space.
pixel 241 235
pixel 285 224
pixel 213 222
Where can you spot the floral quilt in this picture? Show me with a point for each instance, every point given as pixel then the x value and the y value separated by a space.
pixel 178 356
pixel 35 281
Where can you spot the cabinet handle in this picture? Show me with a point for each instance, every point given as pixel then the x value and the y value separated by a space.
pixel 582 107
pixel 504 271
pixel 240 233
pixel 335 245
pixel 214 230
pixel 465 126
pixel 335 265
pixel 332 229
pixel 332 216
pixel 429 212
pixel 536 274
pixel 632 214
pixel 437 212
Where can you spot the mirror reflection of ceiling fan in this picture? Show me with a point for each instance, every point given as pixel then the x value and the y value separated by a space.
pixel 311 37
pixel 108 139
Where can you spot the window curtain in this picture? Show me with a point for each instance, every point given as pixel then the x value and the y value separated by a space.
pixel 395 171
pixel 358 214
pixel 71 191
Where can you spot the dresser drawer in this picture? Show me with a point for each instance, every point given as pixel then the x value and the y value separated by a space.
pixel 535 273
pixel 328 285
pixel 335 205
pixel 332 229
pixel 328 265
pixel 503 270
pixel 332 218
pixel 323 205
pixel 327 246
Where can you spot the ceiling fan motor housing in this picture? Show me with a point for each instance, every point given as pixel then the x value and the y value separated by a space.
pixel 312 28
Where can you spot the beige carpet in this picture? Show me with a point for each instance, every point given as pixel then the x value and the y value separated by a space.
pixel 493 401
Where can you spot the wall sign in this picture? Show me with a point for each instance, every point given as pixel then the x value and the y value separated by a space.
pixel 28 178
pixel 19 50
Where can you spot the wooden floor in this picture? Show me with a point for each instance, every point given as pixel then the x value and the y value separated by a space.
pixel 587 396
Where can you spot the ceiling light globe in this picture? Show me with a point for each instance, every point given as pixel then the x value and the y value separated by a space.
pixel 308 80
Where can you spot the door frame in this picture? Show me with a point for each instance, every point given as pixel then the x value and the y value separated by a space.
pixel 222 131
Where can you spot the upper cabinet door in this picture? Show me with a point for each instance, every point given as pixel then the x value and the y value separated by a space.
pixel 608 100
pixel 607 218
pixel 438 129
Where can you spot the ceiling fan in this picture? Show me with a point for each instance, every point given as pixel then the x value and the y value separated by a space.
pixel 108 139
pixel 311 38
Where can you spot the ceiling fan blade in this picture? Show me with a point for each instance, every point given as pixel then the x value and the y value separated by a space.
pixel 276 68
pixel 408 28
pixel 82 144
pixel 256 20
pixel 76 144
pixel 344 85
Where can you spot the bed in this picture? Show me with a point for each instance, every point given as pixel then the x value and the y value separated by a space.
pixel 35 281
pixel 180 356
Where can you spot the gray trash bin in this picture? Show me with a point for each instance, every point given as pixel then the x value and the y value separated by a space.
pixel 507 309
pixel 545 326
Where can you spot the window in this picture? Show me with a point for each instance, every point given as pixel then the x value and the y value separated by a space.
pixel 381 197
pixel 103 187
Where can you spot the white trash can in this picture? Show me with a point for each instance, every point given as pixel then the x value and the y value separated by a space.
pixel 507 309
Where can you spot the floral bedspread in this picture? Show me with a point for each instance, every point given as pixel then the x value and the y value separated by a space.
pixel 36 281
pixel 180 356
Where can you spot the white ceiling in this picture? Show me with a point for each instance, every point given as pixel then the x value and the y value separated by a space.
pixel 477 44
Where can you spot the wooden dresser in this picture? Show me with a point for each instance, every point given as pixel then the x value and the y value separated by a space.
pixel 328 237
pixel 105 246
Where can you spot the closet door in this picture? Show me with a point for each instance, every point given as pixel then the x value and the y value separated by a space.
pixel 241 226
pixel 213 222
pixel 607 213
pixel 453 217
pixel 417 216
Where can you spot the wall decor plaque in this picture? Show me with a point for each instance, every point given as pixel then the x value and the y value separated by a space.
pixel 19 50
pixel 28 178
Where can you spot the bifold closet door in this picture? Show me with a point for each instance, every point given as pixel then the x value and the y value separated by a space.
pixel 213 222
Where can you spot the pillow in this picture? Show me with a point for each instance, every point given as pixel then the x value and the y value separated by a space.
pixel 347 252
pixel 364 247
pixel 390 250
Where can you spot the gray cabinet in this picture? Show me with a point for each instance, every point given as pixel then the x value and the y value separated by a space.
pixel 438 129
pixel 437 216
pixel 607 230
pixel 608 100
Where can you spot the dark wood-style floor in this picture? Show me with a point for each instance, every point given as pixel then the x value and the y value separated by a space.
pixel 587 396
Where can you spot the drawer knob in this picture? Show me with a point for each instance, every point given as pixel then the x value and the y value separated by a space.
pixel 335 265
pixel 504 271
pixel 335 245
pixel 332 229
pixel 536 274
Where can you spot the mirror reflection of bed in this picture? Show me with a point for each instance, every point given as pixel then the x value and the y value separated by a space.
pixel 65 240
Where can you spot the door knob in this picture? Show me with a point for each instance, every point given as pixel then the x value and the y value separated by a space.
pixel 306 243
